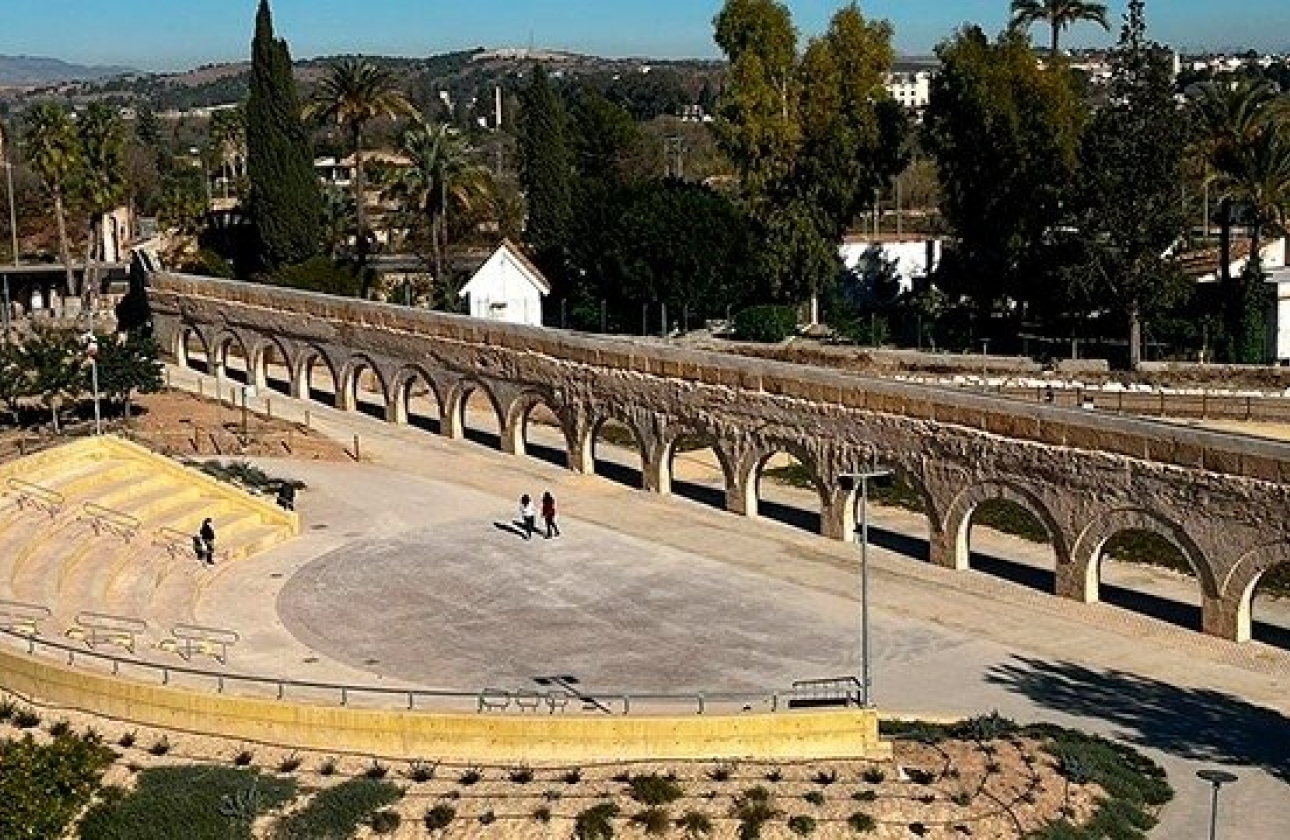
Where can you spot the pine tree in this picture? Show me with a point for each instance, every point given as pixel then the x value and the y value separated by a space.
pixel 546 170
pixel 286 202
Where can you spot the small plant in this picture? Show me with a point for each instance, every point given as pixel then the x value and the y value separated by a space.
pixel 470 777
pixel 385 822
pixel 60 728
pixel 919 776
pixel 376 770
pixel 571 776
pixel 25 719
pixel 874 775
pixel 753 809
pixel 961 798
pixel 655 790
pixel 596 823
pixel 327 768
pixel 92 735
pixel 861 823
pixel 243 758
pixel 242 805
pixel 653 821
pixel 421 771
pixel 824 778
pixel 551 795
pixel 160 747
pixel 488 817
pixel 865 795
pixel 7 708
pixel 774 775
pixel 542 814
pixel 918 829
pixel 439 817
pixel 721 773
pixel 696 825
pixel 521 775
pixel 802 825
pixel 127 739
pixel 814 797
pixel 290 764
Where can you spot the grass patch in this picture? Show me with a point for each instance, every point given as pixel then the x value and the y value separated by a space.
pixel 596 823
pixel 802 825
pixel 43 786
pixel 695 825
pixel 753 809
pixel 655 790
pixel 194 802
pixel 861 823
pixel 439 817
pixel 337 812
pixel 653 821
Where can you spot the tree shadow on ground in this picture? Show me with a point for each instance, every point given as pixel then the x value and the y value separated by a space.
pixel 1192 723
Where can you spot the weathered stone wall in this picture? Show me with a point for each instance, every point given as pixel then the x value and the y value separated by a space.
pixel 1086 475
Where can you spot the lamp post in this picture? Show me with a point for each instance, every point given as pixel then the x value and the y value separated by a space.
pixel 13 227
pixel 91 353
pixel 1217 778
pixel 862 536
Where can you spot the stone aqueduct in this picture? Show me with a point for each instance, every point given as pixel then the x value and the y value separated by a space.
pixel 1221 499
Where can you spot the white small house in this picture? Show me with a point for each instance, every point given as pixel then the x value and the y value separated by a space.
pixel 508 287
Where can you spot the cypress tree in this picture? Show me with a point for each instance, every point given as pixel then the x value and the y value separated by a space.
pixel 286 203
pixel 546 171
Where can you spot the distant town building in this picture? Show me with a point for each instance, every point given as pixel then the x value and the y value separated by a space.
pixel 913 258
pixel 508 287
pixel 912 89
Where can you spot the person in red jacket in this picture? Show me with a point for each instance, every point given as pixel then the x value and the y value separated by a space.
pixel 548 515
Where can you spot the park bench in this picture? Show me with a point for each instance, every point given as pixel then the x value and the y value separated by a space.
pixel 99 628
pixel 34 497
pixel 189 639
pixel 18 617
pixel 103 520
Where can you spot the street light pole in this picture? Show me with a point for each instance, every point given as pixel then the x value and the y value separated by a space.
pixel 1217 778
pixel 92 351
pixel 862 536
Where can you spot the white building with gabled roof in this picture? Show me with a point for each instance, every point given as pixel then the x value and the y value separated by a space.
pixel 508 287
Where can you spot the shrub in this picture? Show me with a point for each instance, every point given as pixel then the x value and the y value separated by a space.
pixel 825 778
pixel 572 776
pixel 376 770
pixel 695 824
pixel 290 764
pixel 385 822
pixel 596 823
pixel 60 728
pixel 488 817
pixel 243 758
pixel 7 708
pixel 814 797
pixel 774 775
pixel 721 773
pixel 861 823
pixel 521 775
pixel 961 798
pixel 470 777
pixel 655 790
pixel 865 795
pixel 196 802
pixel 801 825
pixel 653 821
pixel 338 811
pixel 209 264
pixel 551 795
pixel 127 739
pixel 440 816
pixel 327 768
pixel 874 775
pixel 753 809
pixel 765 324
pixel 319 275
pixel 43 786
pixel 25 719
pixel 542 814
pixel 421 771
pixel 160 747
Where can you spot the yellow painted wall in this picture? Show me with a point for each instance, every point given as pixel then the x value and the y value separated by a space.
pixel 483 738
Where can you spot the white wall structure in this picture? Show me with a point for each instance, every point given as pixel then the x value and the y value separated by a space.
pixel 915 258
pixel 913 90
pixel 508 288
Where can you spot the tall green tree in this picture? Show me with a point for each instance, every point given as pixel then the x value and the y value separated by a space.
pixel 354 93
pixel 1004 131
pixel 52 151
pixel 285 196
pixel 57 366
pixel 128 365
pixel 103 183
pixel 546 171
pixel 1129 219
pixel 1057 15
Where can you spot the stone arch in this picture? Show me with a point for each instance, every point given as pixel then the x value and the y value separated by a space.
pixel 302 385
pixel 908 493
pixel 585 454
pixel 516 421
pixel 1085 566
pixel 951 547
pixel 1231 615
pixel 749 477
pixel 726 463
pixel 400 395
pixel 455 414
pixel 347 385
pixel 181 351
pixel 260 361
pixel 223 341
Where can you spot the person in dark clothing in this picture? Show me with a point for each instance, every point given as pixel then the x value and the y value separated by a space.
pixel 207 535
pixel 528 514
pixel 548 515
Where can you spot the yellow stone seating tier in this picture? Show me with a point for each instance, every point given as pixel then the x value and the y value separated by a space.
pixel 61 563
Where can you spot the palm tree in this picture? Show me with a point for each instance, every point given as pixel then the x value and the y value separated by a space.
pixel 53 153
pixel 352 94
pixel 1058 14
pixel 441 179
pixel 102 183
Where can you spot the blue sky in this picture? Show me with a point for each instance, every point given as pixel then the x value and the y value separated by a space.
pixel 175 34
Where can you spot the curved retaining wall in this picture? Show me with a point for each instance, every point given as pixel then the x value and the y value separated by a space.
pixel 482 738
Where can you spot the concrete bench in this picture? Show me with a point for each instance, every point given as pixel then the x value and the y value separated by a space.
pixel 190 639
pixel 98 629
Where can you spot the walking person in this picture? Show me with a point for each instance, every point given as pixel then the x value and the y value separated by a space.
pixel 548 515
pixel 528 514
pixel 207 535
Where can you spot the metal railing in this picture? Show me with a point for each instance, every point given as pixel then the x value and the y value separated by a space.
pixel 100 628
pixel 212 641
pixel 176 543
pixel 494 700
pixel 106 520
pixel 22 618
pixel 37 497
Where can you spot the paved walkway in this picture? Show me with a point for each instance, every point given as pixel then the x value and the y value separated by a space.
pixel 760 600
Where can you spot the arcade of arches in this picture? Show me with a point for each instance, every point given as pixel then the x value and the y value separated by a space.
pixel 562 397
